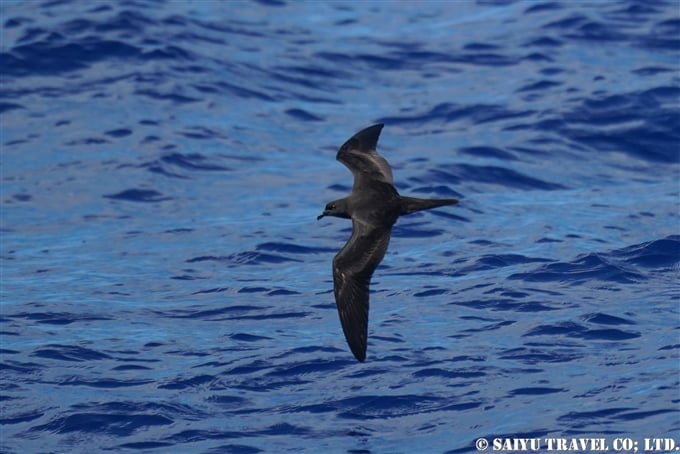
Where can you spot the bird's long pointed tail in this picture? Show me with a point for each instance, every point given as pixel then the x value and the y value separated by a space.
pixel 412 204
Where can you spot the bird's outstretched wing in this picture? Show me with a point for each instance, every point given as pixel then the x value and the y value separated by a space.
pixel 360 157
pixel 353 267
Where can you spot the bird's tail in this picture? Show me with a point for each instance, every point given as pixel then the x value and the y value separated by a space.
pixel 412 204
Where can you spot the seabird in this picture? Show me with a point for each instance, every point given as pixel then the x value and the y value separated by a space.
pixel 373 206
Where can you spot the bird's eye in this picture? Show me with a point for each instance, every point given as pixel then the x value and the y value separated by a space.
pixel 331 206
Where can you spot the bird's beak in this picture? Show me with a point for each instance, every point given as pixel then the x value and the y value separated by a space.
pixel 321 215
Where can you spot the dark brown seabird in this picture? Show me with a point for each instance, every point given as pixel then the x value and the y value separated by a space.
pixel 373 206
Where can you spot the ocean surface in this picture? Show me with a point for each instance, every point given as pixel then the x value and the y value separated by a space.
pixel 166 286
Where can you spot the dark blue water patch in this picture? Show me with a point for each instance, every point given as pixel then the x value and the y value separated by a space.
pixel 485 328
pixel 12 143
pixel 542 85
pixel 53 57
pixel 69 353
pixel 127 367
pixel 567 23
pixel 229 401
pixel 189 277
pixel 315 350
pixel 244 258
pixel 19 418
pixel 193 435
pixel 313 366
pixel 450 112
pixel 173 97
pixel 585 268
pixel 544 41
pixel 232 313
pixel 508 304
pixel 268 384
pixel 455 174
pixel 596 31
pixel 292 248
pixel 191 161
pixel 434 191
pixel 653 254
pixel 536 356
pixel 14 22
pixel 432 292
pixel 199 133
pixel 507 293
pixel 594 417
pixel 235 448
pixel 535 391
pixel 606 319
pixel 359 60
pixel 229 89
pixel 379 406
pixel 21 197
pixel 639 415
pixel 618 266
pixel 549 240
pixel 477 47
pixel 303 115
pixel 474 359
pixel 607 334
pixel 282 291
pixel 448 374
pixel 104 383
pixel 255 366
pixel 87 141
pixel 143 445
pixel 339 188
pixel 279 291
pixel 664 35
pixel 19 367
pixel 574 330
pixel 284 429
pixel 653 137
pixel 311 75
pixel 489 262
pixel 244 337
pixel 200 313
pixel 124 21
pixel 209 290
pixel 117 133
pixel 7 106
pixel 185 383
pixel 637 10
pixel 488 152
pixel 487 59
pixel 58 318
pixel 253 290
pixel 117 424
pixel 415 230
pixel 313 72
pixel 138 195
pixel 540 7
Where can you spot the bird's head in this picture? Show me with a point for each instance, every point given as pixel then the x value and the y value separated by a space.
pixel 337 208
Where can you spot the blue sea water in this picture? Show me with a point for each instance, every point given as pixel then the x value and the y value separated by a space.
pixel 167 288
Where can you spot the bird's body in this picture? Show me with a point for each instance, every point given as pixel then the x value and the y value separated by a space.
pixel 373 206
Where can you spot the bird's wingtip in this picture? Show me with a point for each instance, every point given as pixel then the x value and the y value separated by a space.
pixel 367 138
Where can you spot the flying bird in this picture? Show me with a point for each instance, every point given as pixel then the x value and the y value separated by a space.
pixel 374 205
